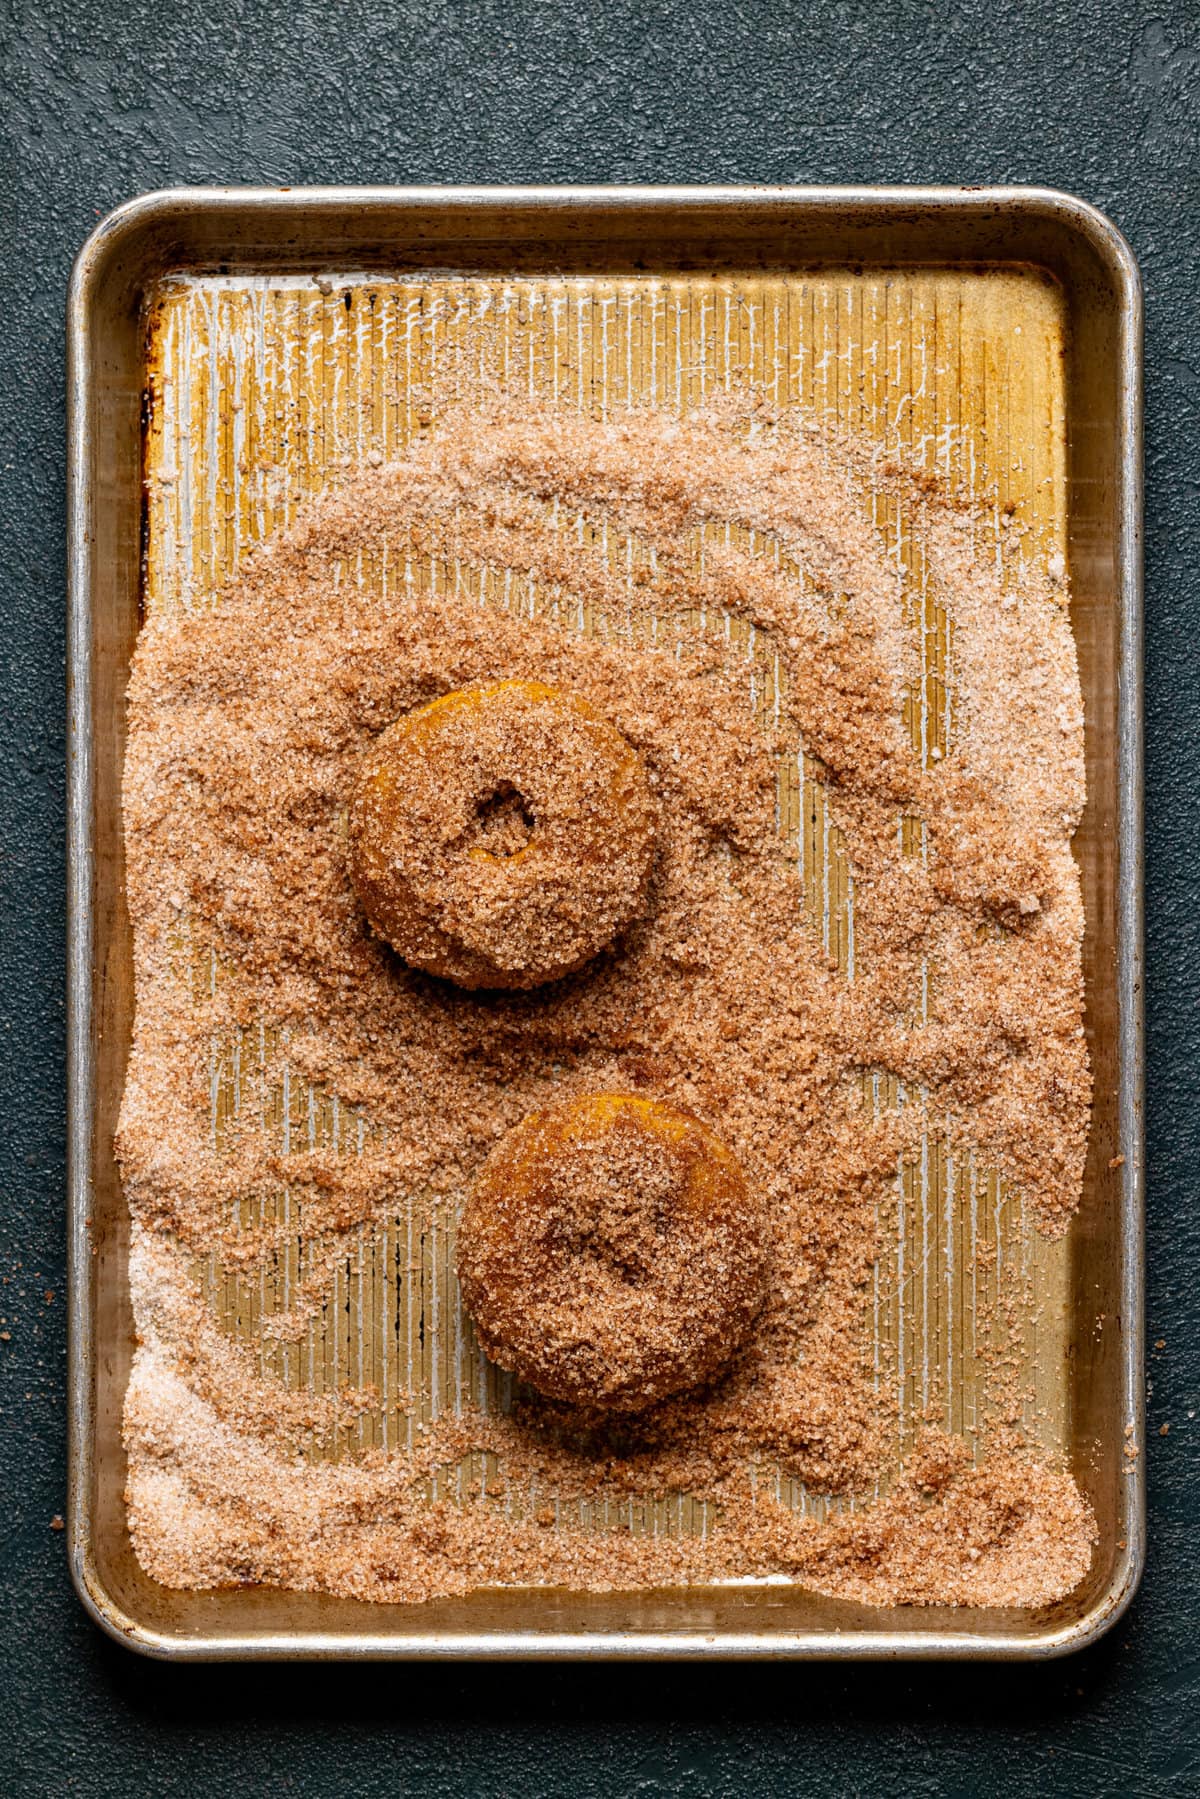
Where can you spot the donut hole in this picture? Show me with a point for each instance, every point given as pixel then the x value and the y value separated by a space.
pixel 501 836
pixel 504 822
pixel 611 1253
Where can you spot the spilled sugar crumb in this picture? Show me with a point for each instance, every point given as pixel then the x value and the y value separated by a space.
pixel 246 725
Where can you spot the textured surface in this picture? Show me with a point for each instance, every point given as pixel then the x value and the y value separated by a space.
pixel 260 389
pixel 105 101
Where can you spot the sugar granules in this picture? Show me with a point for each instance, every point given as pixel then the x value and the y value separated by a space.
pixel 246 723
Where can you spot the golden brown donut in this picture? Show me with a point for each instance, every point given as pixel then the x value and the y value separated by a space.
pixel 502 835
pixel 611 1253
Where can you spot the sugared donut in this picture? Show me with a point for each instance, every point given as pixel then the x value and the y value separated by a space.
pixel 611 1253
pixel 501 835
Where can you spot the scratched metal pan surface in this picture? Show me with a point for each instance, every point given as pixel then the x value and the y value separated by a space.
pixel 243 343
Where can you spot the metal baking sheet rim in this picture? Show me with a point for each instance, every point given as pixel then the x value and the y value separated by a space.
pixel 899 207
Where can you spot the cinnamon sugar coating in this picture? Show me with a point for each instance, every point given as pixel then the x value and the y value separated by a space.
pixel 501 835
pixel 248 723
pixel 610 1252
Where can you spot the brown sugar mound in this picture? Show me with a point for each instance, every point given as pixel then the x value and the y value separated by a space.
pixel 501 835
pixel 611 1253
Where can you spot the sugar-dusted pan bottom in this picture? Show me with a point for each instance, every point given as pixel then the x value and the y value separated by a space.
pixel 262 391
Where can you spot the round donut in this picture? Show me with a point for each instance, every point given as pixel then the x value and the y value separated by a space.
pixel 611 1253
pixel 502 835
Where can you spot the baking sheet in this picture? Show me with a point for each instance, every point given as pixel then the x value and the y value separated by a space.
pixel 260 383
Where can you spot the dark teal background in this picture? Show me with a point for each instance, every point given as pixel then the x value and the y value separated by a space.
pixel 105 101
